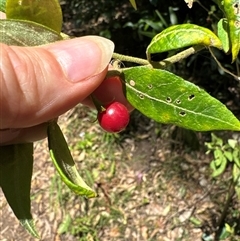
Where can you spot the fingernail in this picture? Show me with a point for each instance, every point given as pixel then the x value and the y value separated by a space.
pixel 83 57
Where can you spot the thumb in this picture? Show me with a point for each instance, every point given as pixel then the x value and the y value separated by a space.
pixel 40 83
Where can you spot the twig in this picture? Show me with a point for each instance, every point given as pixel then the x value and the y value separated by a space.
pixel 225 210
pixel 177 57
pixel 130 59
pixel 224 69
pixel 162 64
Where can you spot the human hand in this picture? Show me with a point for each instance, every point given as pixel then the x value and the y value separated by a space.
pixel 38 84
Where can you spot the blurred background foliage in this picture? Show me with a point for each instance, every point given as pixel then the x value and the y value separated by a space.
pixel 120 22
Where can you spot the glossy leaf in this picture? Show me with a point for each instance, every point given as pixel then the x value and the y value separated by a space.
pixel 133 2
pixel 169 99
pixel 3 5
pixel 25 33
pixel 223 34
pixel 232 11
pixel 64 163
pixel 16 164
pixel 183 35
pixel 44 12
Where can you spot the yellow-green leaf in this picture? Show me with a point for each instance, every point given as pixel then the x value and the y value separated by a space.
pixel 232 11
pixel 64 163
pixel 44 12
pixel 183 35
pixel 3 5
pixel 26 33
pixel 29 225
pixel 223 35
pixel 133 2
pixel 169 99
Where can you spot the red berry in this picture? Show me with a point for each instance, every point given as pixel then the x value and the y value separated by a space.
pixel 114 118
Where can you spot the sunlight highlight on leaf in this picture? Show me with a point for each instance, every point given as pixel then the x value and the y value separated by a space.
pixel 183 35
pixel 44 12
pixel 232 11
pixel 169 99
pixel 25 33
pixel 133 2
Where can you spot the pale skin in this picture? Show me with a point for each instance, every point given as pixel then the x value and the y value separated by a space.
pixel 38 84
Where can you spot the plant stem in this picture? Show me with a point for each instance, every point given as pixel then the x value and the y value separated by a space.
pixel 220 222
pixel 224 69
pixel 97 103
pixel 163 63
pixel 177 57
pixel 127 58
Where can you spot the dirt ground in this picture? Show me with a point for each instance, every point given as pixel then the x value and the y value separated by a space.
pixel 156 192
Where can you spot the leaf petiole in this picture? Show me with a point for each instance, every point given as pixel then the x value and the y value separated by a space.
pixel 132 59
pixel 163 63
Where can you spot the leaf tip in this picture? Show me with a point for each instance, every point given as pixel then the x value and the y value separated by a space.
pixel 29 225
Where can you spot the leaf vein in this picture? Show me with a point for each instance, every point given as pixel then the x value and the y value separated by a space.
pixel 178 107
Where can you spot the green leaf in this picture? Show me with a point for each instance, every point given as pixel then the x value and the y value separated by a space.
pixel 25 33
pixel 236 179
pixel 228 155
pixel 133 2
pixel 224 234
pixel 232 11
pixel 195 221
pixel 217 140
pixel 169 99
pixel 218 161
pixel 3 5
pixel 16 165
pixel 218 154
pixel 218 170
pixel 65 224
pixel 236 156
pixel 29 225
pixel 44 12
pixel 232 143
pixel 183 35
pixel 229 229
pixel 237 190
pixel 236 173
pixel 222 29
pixel 64 163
